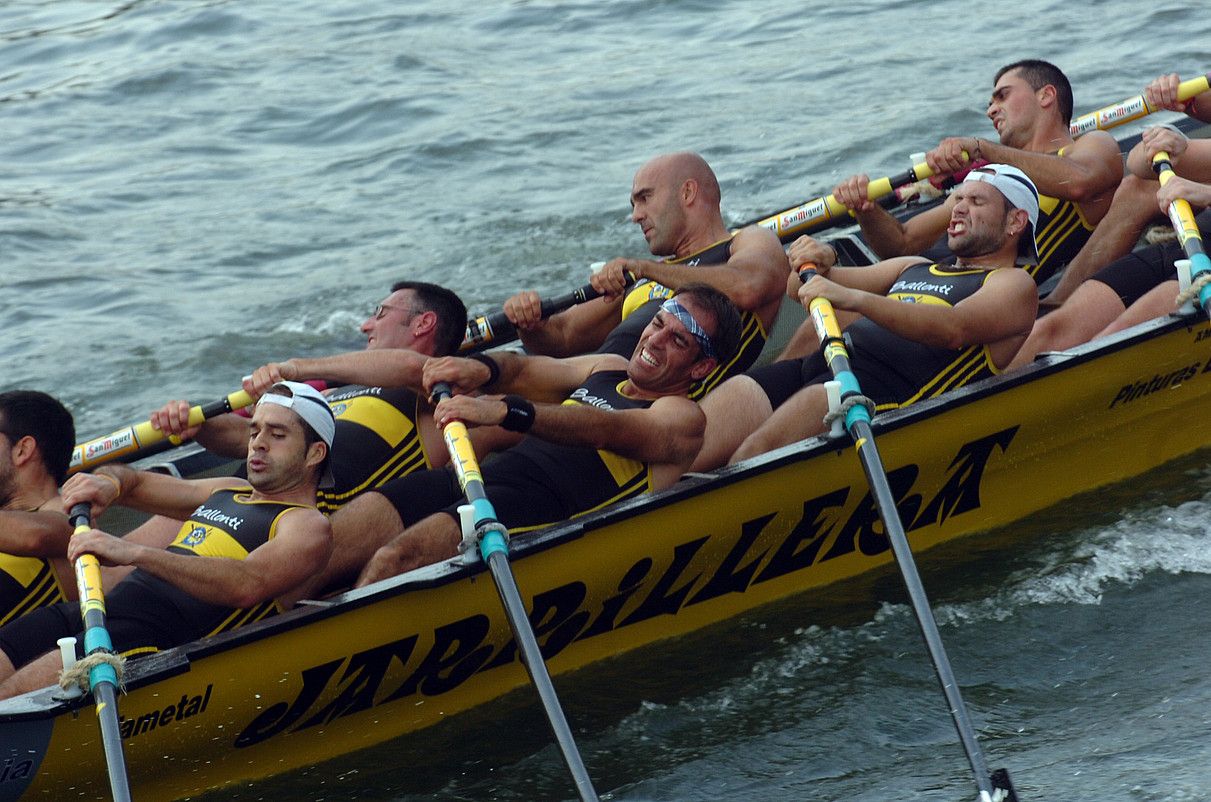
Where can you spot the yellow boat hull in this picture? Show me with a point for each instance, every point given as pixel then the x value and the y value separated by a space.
pixel 377 663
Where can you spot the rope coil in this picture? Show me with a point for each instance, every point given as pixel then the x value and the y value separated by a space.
pixel 77 675
pixel 1196 286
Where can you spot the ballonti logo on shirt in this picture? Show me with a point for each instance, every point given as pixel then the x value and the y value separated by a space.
pixel 921 286
pixel 582 395
pixel 218 517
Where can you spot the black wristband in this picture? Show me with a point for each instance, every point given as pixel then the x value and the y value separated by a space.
pixel 519 414
pixel 493 368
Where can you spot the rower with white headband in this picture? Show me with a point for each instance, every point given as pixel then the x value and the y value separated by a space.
pixel 918 328
pixel 244 552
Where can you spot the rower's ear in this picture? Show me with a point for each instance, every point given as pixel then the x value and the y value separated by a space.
pixel 1047 96
pixel 702 368
pixel 424 323
pixel 689 191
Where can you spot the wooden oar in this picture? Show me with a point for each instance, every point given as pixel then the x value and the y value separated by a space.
pixel 1182 218
pixel 131 439
pixel 993 787
pixel 494 548
pixel 495 328
pixel 1134 107
pixel 102 678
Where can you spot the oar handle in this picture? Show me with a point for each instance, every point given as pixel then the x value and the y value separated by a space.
pixel 1181 216
pixel 495 328
pixel 1133 108
pixel 131 439
pixel 813 214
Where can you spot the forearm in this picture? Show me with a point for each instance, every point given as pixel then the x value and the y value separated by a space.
pixel 387 367
pixel 33 534
pixel 885 235
pixel 747 288
pixel 215 580
pixel 225 435
pixel 158 493
pixel 1057 176
pixel 937 326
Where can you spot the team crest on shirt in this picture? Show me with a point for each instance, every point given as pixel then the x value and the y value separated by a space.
pixel 195 536
pixel 338 409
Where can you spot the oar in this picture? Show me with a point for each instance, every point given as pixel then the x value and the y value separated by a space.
pixel 134 438
pixel 1182 218
pixel 495 327
pixel 494 548
pixel 815 214
pixel 993 787
pixel 102 679
pixel 1134 107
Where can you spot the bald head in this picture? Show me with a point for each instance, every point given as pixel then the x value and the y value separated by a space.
pixel 675 200
pixel 678 168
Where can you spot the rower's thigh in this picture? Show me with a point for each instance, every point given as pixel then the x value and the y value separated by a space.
pixel 1154 303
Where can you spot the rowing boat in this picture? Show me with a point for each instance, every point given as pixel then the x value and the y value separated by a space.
pixel 372 664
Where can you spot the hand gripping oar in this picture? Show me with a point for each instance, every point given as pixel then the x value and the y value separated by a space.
pixel 996 787
pixel 1182 218
pixel 102 678
pixel 1133 108
pixel 494 548
pixel 495 327
pixel 141 435
pixel 814 214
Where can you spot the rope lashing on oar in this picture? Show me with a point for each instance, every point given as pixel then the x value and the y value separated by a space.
pixel 1191 292
pixel 850 401
pixel 77 675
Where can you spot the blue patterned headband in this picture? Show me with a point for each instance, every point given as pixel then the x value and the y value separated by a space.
pixel 681 313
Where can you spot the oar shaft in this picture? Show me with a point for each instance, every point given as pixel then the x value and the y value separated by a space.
pixel 1182 218
pixel 102 679
pixel 815 213
pixel 494 548
pixel 125 442
pixel 858 424
pixel 1133 108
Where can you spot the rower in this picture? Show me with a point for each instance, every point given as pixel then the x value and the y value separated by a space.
pixel 675 200
pixel 624 427
pixel 384 430
pixel 925 327
pixel 37 436
pixel 1121 291
pixel 1031 109
pixel 241 555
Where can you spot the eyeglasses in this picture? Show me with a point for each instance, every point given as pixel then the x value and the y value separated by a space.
pixel 381 310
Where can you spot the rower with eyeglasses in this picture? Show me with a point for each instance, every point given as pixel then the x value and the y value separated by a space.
pixel 383 426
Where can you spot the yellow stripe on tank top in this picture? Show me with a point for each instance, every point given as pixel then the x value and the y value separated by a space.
pixel 377 415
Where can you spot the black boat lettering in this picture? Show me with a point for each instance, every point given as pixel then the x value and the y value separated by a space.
pixel 187 707
pixel 663 600
pixel 961 493
pixel 728 579
pixel 801 546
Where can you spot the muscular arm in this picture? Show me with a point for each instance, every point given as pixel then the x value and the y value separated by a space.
pixel 574 331
pixel 753 276
pixel 667 432
pixel 148 491
pixel 385 367
pixel 541 378
pixel 40 533
pixel 274 570
pixel 1086 174
pixel 888 237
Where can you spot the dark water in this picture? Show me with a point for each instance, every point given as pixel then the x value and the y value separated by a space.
pixel 190 189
